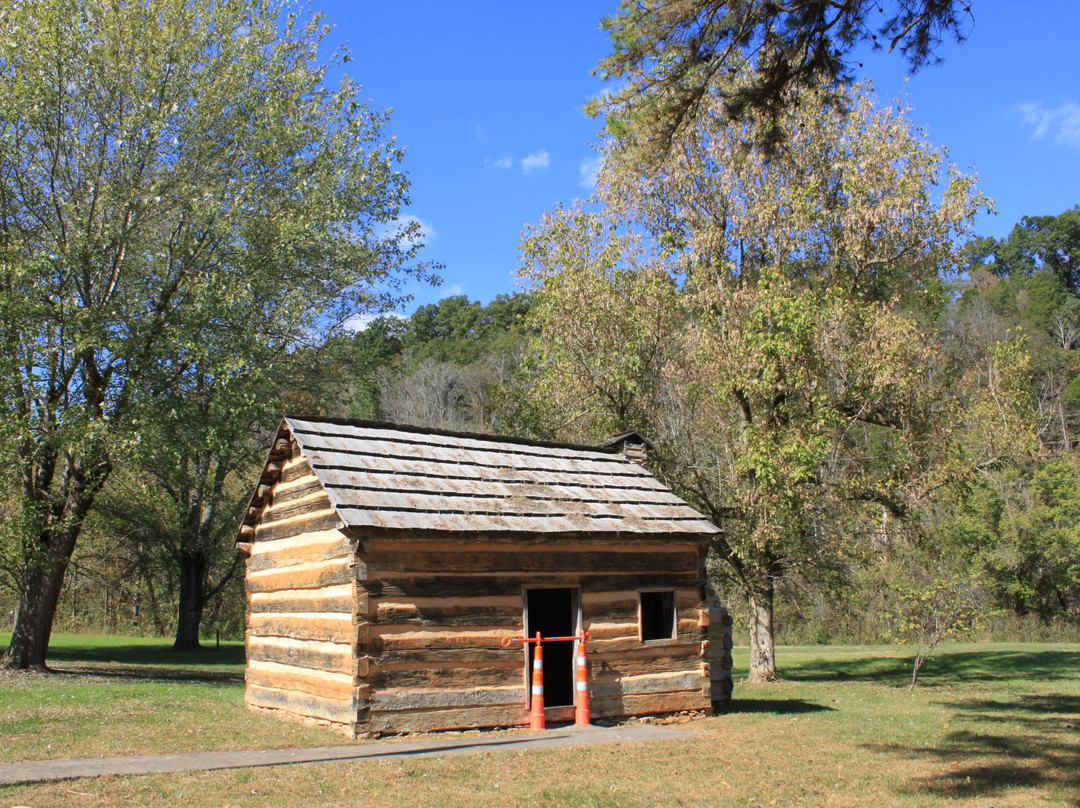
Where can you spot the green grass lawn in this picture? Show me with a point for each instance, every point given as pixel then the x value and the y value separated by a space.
pixel 990 725
pixel 131 696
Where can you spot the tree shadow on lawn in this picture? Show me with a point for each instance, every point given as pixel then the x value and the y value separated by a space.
pixel 773 706
pixel 948 667
pixel 141 661
pixel 1025 741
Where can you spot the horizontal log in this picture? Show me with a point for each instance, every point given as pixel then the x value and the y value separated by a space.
pixel 294 469
pixel 302 626
pixel 320 656
pixel 406 586
pixel 462 610
pixel 442 698
pixel 688 579
pixel 462 601
pixel 297 680
pixel 420 657
pixel 302 704
pixel 298 526
pixel 296 489
pixel 396 638
pixel 629 643
pixel 612 630
pixel 649 704
pixel 503 674
pixel 445 586
pixel 617 667
pixel 385 563
pixel 340 599
pixel 327 538
pixel 285 670
pixel 329 604
pixel 644 652
pixel 438 720
pixel 292 508
pixel 305 575
pixel 671 682
pixel 486 617
pixel 301 549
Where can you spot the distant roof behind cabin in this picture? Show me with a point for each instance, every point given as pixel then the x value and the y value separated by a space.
pixel 385 476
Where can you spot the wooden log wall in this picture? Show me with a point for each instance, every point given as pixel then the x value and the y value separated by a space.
pixel 718 652
pixel 302 598
pixel 435 612
pixel 631 677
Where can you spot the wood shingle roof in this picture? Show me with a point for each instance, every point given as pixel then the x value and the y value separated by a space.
pixel 403 478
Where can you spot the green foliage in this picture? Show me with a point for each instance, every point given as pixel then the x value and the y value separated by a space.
pixel 1048 244
pixel 445 366
pixel 746 311
pixel 933 602
pixel 184 202
pixel 670 57
pixel 378 345
pixel 1021 527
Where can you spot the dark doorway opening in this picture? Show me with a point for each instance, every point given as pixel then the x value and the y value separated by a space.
pixel 553 612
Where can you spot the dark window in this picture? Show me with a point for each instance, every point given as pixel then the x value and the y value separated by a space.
pixel 657 615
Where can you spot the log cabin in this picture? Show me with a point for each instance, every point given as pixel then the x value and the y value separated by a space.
pixel 392 571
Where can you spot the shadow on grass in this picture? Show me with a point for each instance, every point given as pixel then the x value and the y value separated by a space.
pixel 773 706
pixel 948 667
pixel 142 661
pixel 1023 741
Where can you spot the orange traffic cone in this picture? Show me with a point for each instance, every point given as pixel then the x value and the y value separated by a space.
pixel 582 717
pixel 536 715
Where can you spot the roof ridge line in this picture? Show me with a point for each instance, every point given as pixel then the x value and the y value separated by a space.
pixel 423 430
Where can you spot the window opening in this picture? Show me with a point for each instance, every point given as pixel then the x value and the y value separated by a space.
pixel 657 615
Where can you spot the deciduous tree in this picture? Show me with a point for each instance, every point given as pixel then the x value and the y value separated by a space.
pixel 176 185
pixel 777 358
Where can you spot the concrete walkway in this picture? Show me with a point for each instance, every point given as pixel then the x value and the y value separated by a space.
pixel 48 770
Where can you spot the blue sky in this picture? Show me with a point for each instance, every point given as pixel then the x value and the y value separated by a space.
pixel 487 97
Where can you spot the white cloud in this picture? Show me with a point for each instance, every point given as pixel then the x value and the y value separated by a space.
pixel 479 130
pixel 359 322
pixel 1061 124
pixel 535 161
pixel 606 93
pixel 452 290
pixel 587 172
pixel 501 162
pixel 396 229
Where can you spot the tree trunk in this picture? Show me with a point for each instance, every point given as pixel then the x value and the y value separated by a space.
pixel 762 650
pixel 192 600
pixel 39 592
